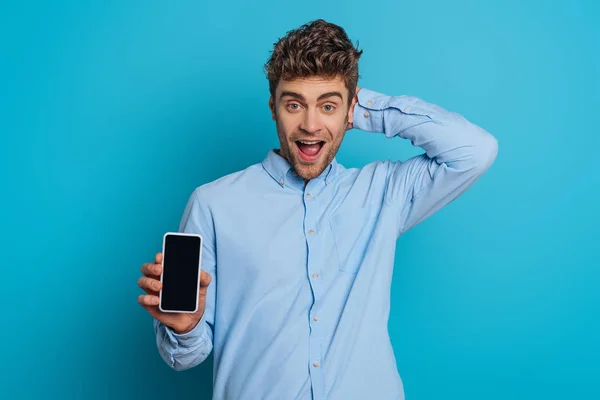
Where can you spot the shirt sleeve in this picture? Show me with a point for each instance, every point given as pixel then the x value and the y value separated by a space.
pixel 457 152
pixel 184 351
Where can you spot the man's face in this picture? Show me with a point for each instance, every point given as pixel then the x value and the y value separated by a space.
pixel 312 116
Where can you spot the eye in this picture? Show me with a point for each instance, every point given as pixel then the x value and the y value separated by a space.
pixel 293 106
pixel 329 108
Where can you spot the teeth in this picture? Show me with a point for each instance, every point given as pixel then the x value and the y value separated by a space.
pixel 304 142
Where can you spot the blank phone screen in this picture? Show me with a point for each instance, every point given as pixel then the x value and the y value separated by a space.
pixel 181 269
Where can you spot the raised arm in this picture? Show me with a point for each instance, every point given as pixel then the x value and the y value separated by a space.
pixel 457 152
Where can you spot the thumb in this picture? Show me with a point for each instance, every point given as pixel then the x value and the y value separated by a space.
pixel 205 279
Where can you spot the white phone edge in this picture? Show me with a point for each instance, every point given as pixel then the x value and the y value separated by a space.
pixel 199 271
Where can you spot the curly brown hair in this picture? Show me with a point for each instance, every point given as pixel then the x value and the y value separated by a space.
pixel 318 48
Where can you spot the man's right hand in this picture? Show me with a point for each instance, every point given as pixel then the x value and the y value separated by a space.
pixel 150 283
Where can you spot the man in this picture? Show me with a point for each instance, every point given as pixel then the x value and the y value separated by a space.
pixel 298 250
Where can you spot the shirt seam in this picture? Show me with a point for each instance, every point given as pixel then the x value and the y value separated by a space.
pixel 203 203
pixel 415 197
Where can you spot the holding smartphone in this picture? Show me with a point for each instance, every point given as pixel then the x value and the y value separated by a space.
pixel 181 268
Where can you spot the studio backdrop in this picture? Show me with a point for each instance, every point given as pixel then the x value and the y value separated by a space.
pixel 113 112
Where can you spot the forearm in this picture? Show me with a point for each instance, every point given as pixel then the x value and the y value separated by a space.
pixel 184 351
pixel 192 348
pixel 446 136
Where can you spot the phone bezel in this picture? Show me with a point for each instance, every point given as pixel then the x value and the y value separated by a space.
pixel 163 269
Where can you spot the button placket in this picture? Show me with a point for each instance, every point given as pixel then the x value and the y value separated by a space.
pixel 312 232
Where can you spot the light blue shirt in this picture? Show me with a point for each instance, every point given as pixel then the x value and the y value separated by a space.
pixel 299 302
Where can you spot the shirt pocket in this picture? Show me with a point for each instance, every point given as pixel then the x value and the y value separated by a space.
pixel 351 231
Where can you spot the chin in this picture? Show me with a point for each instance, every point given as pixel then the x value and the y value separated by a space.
pixel 308 175
pixel 309 171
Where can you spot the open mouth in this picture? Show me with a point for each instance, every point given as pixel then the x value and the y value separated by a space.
pixel 309 151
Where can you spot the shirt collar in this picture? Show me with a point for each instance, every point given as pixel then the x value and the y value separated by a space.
pixel 279 168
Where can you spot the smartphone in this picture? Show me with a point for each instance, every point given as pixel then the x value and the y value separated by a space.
pixel 181 267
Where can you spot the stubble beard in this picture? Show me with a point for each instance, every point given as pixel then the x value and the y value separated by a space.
pixel 308 171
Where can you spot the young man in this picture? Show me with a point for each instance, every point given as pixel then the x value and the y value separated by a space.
pixel 299 251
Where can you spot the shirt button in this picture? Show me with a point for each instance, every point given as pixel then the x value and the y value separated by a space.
pixel 315 318
pixel 309 195
pixel 370 102
pixel 366 114
pixel 315 275
pixel 316 364
pixel 405 110
pixel 311 232
pixel 281 182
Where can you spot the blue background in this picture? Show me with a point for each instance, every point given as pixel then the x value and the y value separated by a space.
pixel 112 112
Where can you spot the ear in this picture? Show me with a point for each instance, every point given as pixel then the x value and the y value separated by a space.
pixel 272 107
pixel 351 110
pixel 350 124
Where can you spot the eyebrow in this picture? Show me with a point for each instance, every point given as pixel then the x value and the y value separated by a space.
pixel 295 95
pixel 301 98
pixel 330 94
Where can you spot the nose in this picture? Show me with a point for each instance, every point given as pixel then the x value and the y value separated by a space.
pixel 310 122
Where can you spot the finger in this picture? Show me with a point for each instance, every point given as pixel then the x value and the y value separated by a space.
pixel 149 284
pixel 205 279
pixel 144 269
pixel 148 300
pixel 158 259
pixel 151 269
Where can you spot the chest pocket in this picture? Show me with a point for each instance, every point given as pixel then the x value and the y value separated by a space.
pixel 351 232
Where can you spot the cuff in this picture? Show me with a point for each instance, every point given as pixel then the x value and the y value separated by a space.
pixel 368 111
pixel 186 339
